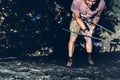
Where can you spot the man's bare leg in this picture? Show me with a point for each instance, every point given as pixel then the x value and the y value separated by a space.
pixel 71 46
pixel 89 49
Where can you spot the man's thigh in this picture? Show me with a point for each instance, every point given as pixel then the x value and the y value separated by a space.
pixel 74 28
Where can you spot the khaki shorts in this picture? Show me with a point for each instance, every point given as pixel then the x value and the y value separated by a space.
pixel 74 27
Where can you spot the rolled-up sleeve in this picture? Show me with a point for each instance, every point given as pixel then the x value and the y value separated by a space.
pixel 75 6
pixel 101 6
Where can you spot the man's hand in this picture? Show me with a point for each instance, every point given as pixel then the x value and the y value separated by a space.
pixel 96 20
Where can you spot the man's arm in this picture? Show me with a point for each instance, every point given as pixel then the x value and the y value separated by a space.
pixel 95 20
pixel 79 21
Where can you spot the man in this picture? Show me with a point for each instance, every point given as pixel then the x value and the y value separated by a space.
pixel 84 10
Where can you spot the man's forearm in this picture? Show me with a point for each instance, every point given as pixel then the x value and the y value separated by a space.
pixel 81 23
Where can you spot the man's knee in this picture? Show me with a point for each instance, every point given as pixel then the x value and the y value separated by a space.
pixel 72 40
pixel 88 40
